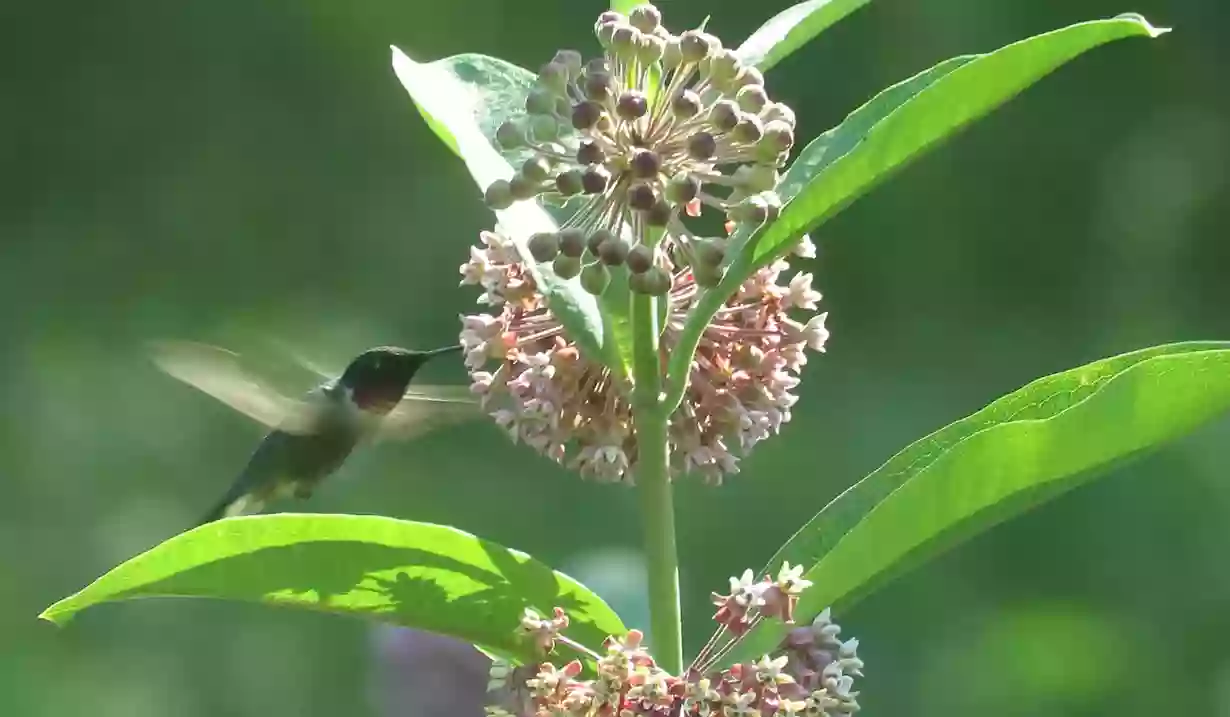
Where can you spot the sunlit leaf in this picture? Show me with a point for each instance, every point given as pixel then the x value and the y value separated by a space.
pixel 940 110
pixel 453 108
pixel 1025 448
pixel 875 140
pixel 792 28
pixel 418 575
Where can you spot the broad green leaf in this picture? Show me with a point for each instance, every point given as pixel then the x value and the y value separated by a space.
pixel 492 90
pixel 839 141
pixel 883 135
pixel 792 28
pixel 625 6
pixel 452 108
pixel 943 108
pixel 1029 446
pixel 419 575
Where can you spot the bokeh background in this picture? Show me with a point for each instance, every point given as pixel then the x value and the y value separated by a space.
pixel 236 172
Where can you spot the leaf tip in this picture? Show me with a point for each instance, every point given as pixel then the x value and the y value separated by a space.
pixel 1140 20
pixel 55 615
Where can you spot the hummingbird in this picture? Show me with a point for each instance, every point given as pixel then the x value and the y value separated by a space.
pixel 313 436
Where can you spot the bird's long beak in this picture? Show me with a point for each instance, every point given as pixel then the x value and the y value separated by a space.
pixel 444 350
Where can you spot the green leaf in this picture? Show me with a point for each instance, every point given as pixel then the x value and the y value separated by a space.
pixel 1025 448
pixel 625 6
pixel 792 28
pixel 419 575
pixel 883 135
pixel 454 110
pixel 494 91
pixel 941 109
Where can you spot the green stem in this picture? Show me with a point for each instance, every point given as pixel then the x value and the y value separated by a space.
pixel 654 484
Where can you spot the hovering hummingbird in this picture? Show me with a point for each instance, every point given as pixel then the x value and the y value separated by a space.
pixel 313 436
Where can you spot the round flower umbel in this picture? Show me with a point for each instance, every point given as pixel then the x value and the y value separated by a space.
pixel 642 150
pixel 641 161
pixel 811 673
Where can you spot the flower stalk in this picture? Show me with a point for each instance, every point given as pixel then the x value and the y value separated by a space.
pixel 654 484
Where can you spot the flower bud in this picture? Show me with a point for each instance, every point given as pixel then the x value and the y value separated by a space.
pixel 613 252
pixel 498 195
pixel 566 267
pixel 544 128
pixel 702 146
pixel 639 259
pixel 724 115
pixel 778 111
pixel 751 98
pixel 536 169
pixel 606 26
pixel 624 42
pixel 650 49
pixel 595 278
pixel 586 114
pixel 659 215
pixel 540 101
pixel 645 164
pixel 778 137
pixel 598 85
pixel 642 196
pixel 748 76
pixel 571 60
pixel 595 179
pixel 682 188
pixel 672 55
pixel 645 18
pixel 554 76
pixel 694 46
pixel 522 188
pixel 631 105
pixel 569 183
pixel 754 178
pixel 544 246
pixel 588 152
pixel 685 105
pixel 510 135
pixel 595 239
pixel 655 282
pixel 723 67
pixel 748 129
pixel 572 242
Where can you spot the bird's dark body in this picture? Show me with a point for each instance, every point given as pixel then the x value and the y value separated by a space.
pixel 297 463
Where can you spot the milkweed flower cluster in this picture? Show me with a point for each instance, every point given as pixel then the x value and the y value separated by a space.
pixel 639 162
pixel 811 674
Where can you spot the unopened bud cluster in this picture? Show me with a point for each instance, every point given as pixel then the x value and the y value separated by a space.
pixel 657 127
pixel 812 673
pixel 639 161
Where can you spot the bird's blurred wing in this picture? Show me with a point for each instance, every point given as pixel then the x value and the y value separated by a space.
pixel 440 394
pixel 320 372
pixel 426 408
pixel 218 372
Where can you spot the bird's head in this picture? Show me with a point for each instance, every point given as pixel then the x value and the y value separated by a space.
pixel 377 378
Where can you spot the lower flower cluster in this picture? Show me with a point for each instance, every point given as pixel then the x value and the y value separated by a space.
pixel 548 395
pixel 812 673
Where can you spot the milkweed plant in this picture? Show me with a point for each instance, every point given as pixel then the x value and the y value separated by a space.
pixel 644 310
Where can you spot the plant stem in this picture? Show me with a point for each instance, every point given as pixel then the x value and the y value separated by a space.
pixel 654 484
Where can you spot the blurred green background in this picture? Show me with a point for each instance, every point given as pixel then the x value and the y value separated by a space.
pixel 231 171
